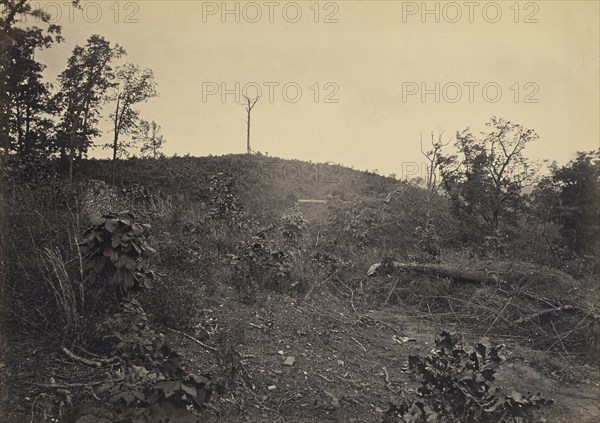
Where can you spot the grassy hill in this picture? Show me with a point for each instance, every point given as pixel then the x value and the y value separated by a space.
pixel 270 297
pixel 267 185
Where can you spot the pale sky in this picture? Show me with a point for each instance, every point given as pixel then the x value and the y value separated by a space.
pixel 373 58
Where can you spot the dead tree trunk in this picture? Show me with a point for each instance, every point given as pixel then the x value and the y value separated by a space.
pixel 249 107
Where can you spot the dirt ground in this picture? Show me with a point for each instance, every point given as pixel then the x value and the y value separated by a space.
pixel 287 360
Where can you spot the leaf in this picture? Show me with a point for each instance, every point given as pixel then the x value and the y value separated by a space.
pixel 199 380
pixel 517 397
pixel 99 265
pixel 135 245
pixel 130 264
pixel 190 390
pixel 137 229
pixel 200 397
pixel 111 225
pixel 96 219
pixel 128 280
pixel 123 260
pixel 128 397
pixel 116 240
pixel 168 387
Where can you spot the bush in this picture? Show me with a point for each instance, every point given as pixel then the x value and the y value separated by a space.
pixel 116 251
pixel 457 385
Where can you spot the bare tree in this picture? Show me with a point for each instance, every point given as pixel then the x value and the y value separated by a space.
pixel 249 106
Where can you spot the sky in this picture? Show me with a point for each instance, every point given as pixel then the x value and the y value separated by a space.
pixel 352 82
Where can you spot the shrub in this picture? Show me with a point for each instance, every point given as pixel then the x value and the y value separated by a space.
pixel 457 385
pixel 293 226
pixel 155 386
pixel 116 250
pixel 258 264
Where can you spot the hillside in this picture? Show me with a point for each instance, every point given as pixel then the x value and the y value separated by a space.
pixel 267 301
pixel 266 185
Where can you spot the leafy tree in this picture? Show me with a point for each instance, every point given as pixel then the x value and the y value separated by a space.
pixel 152 139
pixel 19 71
pixel 486 178
pixel 134 86
pixel 570 197
pixel 83 86
pixel 30 100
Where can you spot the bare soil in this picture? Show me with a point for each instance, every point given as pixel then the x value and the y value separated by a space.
pixel 282 359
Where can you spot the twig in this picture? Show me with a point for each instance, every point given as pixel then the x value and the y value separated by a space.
pixel 388 383
pixel 197 341
pixel 75 357
pixel 429 310
pixel 318 284
pixel 263 327
pixel 67 385
pixel 498 316
pixel 390 294
pixel 452 309
pixel 321 376
pixel 565 335
pixel 561 342
pixel 351 300
pixel 361 345
pixel 541 313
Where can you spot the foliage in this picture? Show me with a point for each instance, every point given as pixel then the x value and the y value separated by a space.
pixel 486 178
pixel 457 384
pixel 257 263
pixel 116 250
pixel 24 98
pixel 428 240
pixel 224 204
pixel 155 386
pixel 293 225
pixel 352 221
pixel 152 140
pixel 133 86
pixel 83 85
pixel 570 198
pixel 30 101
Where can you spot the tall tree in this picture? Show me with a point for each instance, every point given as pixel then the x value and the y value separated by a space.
pixel 486 178
pixel 18 68
pixel 133 86
pixel 84 84
pixel 30 101
pixel 152 139
pixel 570 197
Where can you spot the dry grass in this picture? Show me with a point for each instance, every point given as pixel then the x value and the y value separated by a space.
pixel 68 298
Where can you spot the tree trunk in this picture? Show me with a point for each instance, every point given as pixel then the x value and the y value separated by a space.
pixel 248 133
pixel 115 143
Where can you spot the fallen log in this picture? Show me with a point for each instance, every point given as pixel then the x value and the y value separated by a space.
pixel 505 273
pixel 438 270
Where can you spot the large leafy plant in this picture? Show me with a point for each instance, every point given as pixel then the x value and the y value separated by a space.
pixel 457 384
pixel 154 385
pixel 116 250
